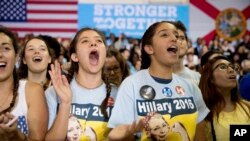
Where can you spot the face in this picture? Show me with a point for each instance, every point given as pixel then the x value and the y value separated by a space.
pixel 7 57
pixel 224 76
pixel 37 56
pixel 158 127
pixel 74 130
pixel 182 44
pixel 126 54
pixel 164 50
pixel 90 52
pixel 112 70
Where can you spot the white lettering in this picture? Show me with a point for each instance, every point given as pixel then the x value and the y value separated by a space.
pixel 131 23
pixel 152 11
pixel 140 10
pixel 162 11
pixel 237 132
pixel 135 10
pixel 129 10
pixel 141 107
pixel 80 111
pixel 240 132
pixel 108 10
pixel 172 11
pixel 118 10
pixel 98 11
pixel 120 23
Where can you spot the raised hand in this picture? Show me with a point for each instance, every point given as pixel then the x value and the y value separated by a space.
pixel 60 84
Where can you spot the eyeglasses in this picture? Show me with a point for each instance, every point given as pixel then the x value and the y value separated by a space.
pixel 115 69
pixel 224 67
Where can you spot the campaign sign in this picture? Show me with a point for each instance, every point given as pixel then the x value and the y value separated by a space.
pixel 130 19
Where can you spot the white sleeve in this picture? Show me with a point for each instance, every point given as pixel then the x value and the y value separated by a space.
pixel 52 104
pixel 124 108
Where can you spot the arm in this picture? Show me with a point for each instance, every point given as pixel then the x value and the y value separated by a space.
pixel 59 129
pixel 203 111
pixel 125 132
pixel 37 115
pixel 200 132
pixel 124 128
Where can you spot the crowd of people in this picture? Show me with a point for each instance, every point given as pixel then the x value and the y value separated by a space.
pixel 161 87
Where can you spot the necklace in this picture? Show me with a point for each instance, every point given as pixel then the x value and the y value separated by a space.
pixel 88 87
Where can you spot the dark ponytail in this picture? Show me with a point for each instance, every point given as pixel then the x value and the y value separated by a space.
pixel 105 101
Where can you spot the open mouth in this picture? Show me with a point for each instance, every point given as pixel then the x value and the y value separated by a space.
pixel 94 57
pixel 3 64
pixel 37 59
pixel 232 77
pixel 172 49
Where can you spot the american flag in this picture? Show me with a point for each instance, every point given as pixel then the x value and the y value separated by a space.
pixel 57 18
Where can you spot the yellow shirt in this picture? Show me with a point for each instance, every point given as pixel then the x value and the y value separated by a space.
pixel 222 125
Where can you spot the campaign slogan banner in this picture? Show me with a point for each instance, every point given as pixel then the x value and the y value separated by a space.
pixel 131 19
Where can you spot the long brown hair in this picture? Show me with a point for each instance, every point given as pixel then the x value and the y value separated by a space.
pixel 75 67
pixel 8 33
pixel 212 97
pixel 23 68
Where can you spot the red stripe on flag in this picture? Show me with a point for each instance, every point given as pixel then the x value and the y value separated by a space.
pixel 52 21
pixel 246 12
pixel 43 30
pixel 51 2
pixel 52 11
pixel 206 7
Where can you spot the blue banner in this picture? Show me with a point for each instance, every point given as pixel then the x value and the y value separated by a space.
pixel 131 19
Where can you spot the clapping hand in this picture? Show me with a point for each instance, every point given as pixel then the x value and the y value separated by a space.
pixel 60 84
pixel 8 127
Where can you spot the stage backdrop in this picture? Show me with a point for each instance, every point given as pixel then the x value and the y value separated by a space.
pixel 62 18
pixel 131 19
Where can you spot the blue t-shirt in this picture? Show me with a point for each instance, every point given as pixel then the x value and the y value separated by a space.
pixel 178 101
pixel 86 108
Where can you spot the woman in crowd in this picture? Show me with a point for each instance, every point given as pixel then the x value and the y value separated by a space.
pixel 35 60
pixel 218 85
pixel 116 67
pixel 20 99
pixel 157 89
pixel 89 97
